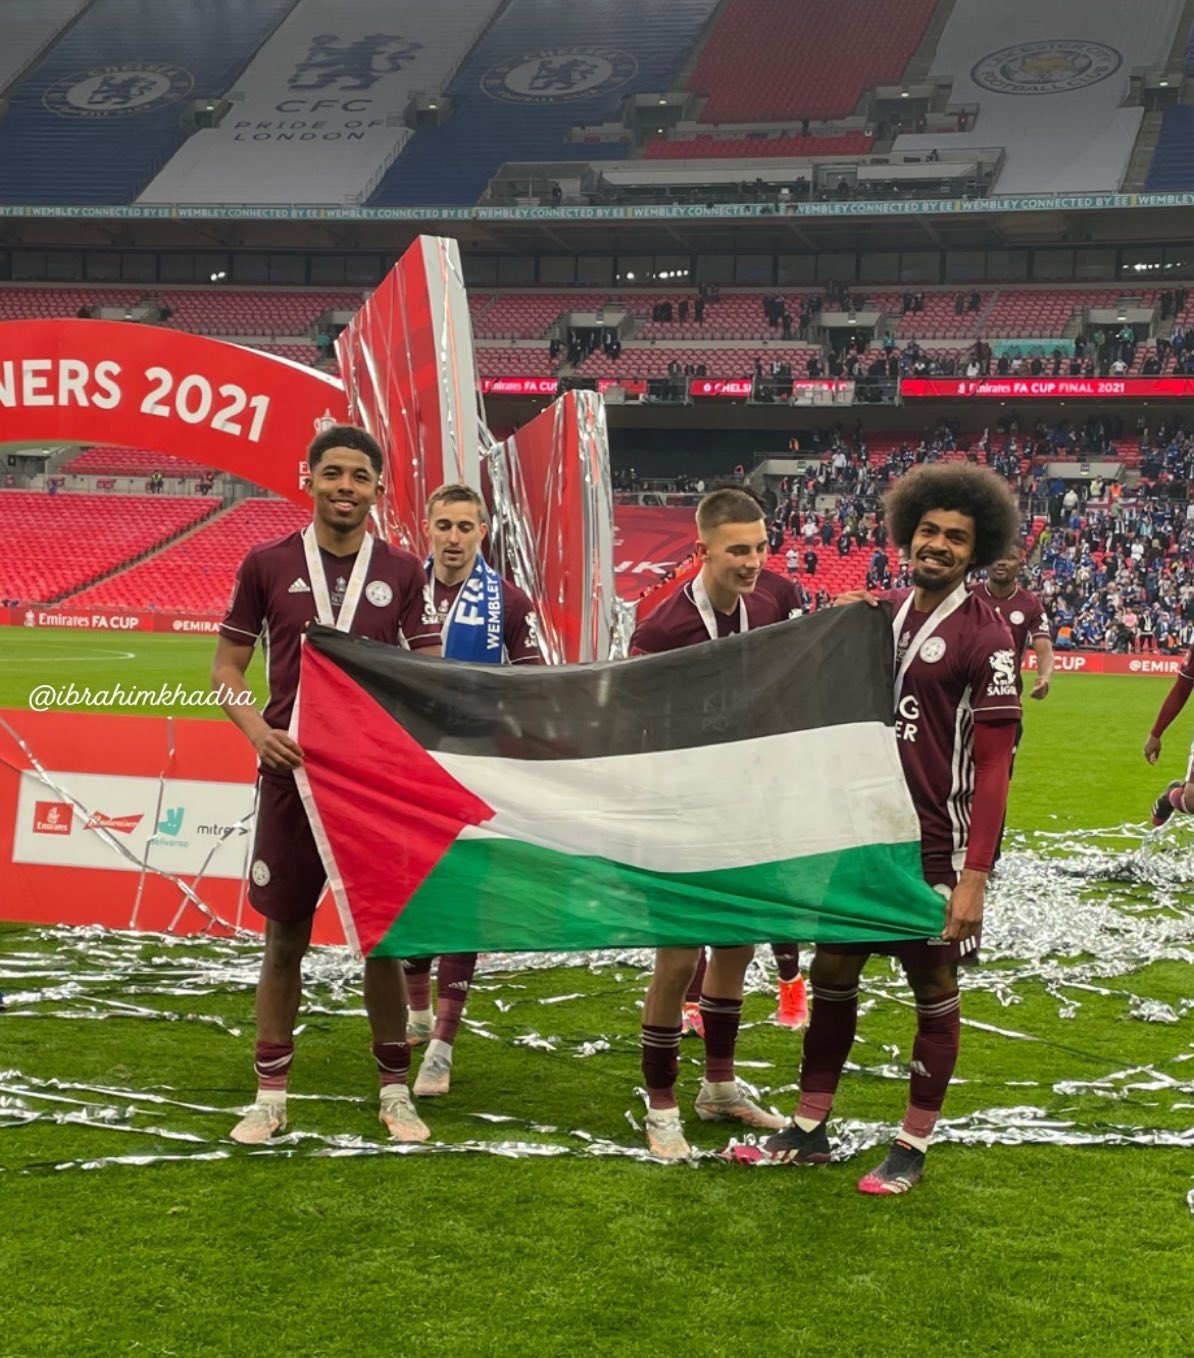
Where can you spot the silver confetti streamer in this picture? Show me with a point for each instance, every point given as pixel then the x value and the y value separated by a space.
pixel 1070 914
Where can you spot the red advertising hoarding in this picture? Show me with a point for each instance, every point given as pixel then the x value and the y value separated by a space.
pixel 723 387
pixel 1099 662
pixel 546 386
pixel 64 618
pixel 129 822
pixel 1047 388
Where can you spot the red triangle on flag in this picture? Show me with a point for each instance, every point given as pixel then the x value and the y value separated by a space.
pixel 367 775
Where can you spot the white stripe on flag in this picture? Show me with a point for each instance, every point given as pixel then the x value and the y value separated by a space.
pixel 699 810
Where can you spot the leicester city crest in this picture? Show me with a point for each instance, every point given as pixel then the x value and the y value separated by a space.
pixel 1050 66
pixel 114 91
pixel 556 75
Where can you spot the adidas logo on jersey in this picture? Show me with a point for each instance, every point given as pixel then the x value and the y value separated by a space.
pixel 300 586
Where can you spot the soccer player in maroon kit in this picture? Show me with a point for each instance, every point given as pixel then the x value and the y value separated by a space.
pixel 957 708
pixel 1179 795
pixel 1023 615
pixel 1025 619
pixel 724 598
pixel 337 573
pixel 462 591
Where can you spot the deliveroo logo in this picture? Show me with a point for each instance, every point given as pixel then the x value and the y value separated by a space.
pixel 171 824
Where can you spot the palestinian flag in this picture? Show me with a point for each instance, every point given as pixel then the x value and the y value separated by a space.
pixel 740 791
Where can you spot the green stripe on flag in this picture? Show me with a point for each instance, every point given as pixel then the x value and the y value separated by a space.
pixel 489 893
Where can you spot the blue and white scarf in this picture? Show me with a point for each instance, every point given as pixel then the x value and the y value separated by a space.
pixel 474 627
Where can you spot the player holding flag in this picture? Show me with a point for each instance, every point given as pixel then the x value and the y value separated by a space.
pixel 482 618
pixel 957 707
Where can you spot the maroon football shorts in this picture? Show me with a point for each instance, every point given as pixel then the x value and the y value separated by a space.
pixel 286 876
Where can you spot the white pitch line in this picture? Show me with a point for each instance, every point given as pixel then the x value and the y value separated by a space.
pixel 92 655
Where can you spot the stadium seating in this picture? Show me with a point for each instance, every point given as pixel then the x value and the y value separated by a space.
pixel 773 60
pixel 100 113
pixel 329 152
pixel 57 543
pixel 196 575
pixel 297 353
pixel 646 360
pixel 1173 160
pixel 1037 316
pixel 130 462
pixel 529 315
pixel 744 148
pixel 735 315
pixel 938 320
pixel 512 100
pixel 530 360
pixel 1044 313
pixel 265 312
pixel 835 573
pixel 33 303
pixel 206 311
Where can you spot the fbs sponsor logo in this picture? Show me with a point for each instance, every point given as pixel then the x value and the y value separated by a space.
pixel 1050 66
pixel 53 818
pixel 114 91
pixel 555 75
pixel 123 825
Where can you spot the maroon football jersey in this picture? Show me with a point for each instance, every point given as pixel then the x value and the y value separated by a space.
pixel 677 621
pixel 786 592
pixel 964 672
pixel 520 635
pixel 1022 613
pixel 273 601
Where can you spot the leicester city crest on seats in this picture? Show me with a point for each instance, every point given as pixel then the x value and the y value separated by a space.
pixel 1050 66
pixel 555 75
pixel 113 91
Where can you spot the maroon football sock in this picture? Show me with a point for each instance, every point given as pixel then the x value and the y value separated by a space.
pixel 272 1062
pixel 721 1019
pixel 693 994
pixel 417 971
pixel 452 980
pixel 661 1061
pixel 787 960
pixel 393 1062
pixel 934 1056
pixel 827 1043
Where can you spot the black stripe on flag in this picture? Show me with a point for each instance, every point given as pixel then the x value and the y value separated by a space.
pixel 829 669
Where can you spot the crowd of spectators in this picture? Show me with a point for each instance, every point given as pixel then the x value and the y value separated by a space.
pixel 1119 576
pixel 1114 567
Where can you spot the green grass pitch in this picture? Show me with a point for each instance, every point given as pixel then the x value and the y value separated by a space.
pixel 1035 1250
